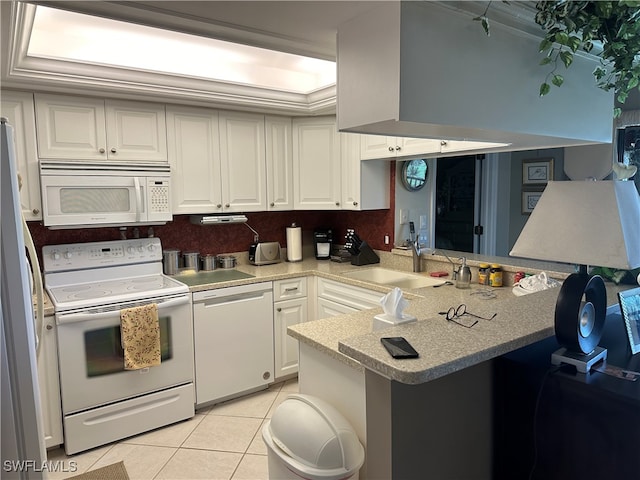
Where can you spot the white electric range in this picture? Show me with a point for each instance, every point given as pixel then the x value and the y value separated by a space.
pixel 89 283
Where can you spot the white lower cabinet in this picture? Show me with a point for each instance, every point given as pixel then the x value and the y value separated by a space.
pixel 49 383
pixel 289 308
pixel 233 341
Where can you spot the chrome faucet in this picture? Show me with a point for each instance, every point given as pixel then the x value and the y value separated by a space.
pixel 454 267
pixel 415 248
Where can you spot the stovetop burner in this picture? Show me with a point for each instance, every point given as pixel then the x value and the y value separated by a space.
pixel 87 275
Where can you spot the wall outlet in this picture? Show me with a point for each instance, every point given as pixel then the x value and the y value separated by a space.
pixel 404 216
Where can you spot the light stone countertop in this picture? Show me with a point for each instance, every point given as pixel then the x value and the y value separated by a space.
pixel 444 347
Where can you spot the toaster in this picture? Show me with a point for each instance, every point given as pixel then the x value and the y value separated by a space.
pixel 264 253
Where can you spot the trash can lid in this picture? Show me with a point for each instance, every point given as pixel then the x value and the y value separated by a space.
pixel 313 432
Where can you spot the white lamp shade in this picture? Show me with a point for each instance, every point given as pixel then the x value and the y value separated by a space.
pixel 586 223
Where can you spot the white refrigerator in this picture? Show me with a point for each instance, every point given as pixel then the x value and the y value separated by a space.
pixel 22 447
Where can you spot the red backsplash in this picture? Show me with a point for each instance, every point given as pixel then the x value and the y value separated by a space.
pixel 370 225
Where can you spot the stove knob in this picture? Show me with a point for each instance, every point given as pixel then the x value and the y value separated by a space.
pixel 68 254
pixel 141 249
pixel 151 247
pixel 55 255
pixel 130 249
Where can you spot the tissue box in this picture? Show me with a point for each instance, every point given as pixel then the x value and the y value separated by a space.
pixel 385 321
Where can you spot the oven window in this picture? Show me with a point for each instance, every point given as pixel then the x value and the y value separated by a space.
pixel 103 351
pixel 95 200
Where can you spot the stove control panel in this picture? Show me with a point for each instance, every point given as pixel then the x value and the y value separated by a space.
pixel 79 256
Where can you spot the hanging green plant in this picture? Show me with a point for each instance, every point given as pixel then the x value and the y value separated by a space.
pixel 570 26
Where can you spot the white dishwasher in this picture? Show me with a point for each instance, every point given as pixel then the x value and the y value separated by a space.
pixel 233 340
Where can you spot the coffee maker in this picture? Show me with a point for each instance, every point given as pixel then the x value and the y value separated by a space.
pixel 322 240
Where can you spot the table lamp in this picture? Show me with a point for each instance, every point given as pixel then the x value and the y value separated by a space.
pixel 585 223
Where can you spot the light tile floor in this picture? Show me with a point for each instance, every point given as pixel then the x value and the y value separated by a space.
pixel 221 442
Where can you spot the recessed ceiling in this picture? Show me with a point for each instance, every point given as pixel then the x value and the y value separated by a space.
pixel 77 37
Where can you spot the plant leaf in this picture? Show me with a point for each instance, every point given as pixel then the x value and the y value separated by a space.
pixel 545 45
pixel 545 61
pixel 567 58
pixel 557 80
pixel 544 89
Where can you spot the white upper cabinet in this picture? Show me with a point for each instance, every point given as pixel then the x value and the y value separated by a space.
pixel 17 107
pixel 194 155
pixel 88 129
pixel 380 146
pixel 365 185
pixel 217 160
pixel 279 156
pixel 316 164
pixel 243 167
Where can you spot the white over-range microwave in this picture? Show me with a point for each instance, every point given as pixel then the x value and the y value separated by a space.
pixel 100 195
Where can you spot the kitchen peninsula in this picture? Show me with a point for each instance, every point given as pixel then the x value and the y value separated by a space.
pixel 430 417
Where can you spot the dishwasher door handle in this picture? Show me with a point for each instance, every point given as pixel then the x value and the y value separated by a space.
pixel 228 299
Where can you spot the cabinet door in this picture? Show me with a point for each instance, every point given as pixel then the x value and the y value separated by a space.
pixel 242 154
pixel 50 385
pixel 194 155
pixel 70 127
pixel 136 131
pixel 279 157
pixel 316 164
pixel 285 314
pixel 350 160
pixel 18 108
pixel 416 146
pixel 377 146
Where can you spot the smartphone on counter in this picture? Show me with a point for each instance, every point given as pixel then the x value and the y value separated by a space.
pixel 399 347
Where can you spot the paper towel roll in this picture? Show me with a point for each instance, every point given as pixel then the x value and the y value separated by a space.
pixel 294 243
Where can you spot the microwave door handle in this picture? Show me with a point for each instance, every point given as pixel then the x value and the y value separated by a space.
pixel 136 183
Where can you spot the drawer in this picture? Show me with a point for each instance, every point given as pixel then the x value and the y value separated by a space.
pixel 349 295
pixel 289 288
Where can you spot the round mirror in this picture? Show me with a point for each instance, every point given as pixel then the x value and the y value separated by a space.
pixel 414 174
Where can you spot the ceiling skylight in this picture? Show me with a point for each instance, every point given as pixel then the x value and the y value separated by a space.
pixel 63 35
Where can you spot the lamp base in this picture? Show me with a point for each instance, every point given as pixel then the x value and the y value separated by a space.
pixel 583 362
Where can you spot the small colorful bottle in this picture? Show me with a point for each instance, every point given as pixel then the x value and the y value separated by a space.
pixel 483 274
pixel 495 275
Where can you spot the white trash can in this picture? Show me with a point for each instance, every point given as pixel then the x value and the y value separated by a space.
pixel 308 438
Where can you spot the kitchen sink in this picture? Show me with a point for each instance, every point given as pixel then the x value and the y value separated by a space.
pixel 395 278
pixel 192 278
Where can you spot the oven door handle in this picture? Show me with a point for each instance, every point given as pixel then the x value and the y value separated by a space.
pixel 88 315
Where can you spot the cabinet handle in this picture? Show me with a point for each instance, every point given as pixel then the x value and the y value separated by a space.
pixel 113 150
pixel 35 211
pixel 279 309
pixel 219 205
pixel 337 204
pixel 49 327
pixel 226 205
pixel 398 148
pixel 355 204
pixel 391 149
pixel 272 204
pixel 443 143
pixel 291 289
pixel 101 150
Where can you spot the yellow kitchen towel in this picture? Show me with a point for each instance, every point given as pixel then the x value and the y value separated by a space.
pixel 140 336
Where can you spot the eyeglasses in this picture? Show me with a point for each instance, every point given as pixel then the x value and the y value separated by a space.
pixel 453 314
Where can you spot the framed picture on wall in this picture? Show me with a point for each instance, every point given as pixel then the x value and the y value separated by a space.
pixel 630 307
pixel 530 200
pixel 537 171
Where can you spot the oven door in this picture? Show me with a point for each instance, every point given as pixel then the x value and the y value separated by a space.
pixel 92 360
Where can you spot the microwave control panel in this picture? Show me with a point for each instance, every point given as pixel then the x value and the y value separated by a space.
pixel 158 199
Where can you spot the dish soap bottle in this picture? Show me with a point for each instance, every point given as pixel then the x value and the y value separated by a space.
pixel 463 279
